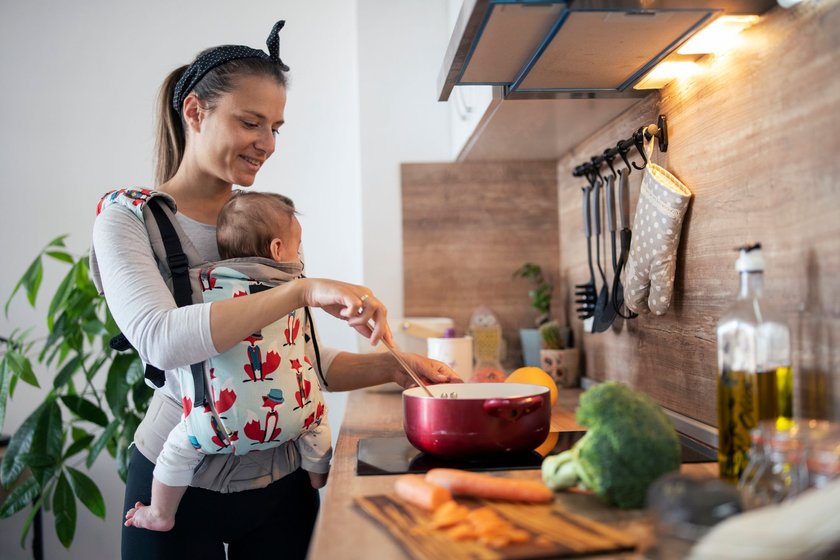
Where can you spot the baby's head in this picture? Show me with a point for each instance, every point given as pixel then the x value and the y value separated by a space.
pixel 258 224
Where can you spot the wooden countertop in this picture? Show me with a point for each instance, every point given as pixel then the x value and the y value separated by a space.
pixel 343 533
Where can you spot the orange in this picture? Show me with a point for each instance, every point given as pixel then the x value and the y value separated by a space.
pixel 549 443
pixel 534 376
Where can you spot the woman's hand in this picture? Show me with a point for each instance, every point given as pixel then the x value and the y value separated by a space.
pixel 355 304
pixel 429 370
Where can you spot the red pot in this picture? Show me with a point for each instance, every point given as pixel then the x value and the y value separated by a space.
pixel 485 418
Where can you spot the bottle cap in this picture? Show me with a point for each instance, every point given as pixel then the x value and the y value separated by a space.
pixel 449 333
pixel 750 259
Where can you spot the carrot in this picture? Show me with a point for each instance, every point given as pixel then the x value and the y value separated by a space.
pixel 481 485
pixel 448 514
pixel 415 490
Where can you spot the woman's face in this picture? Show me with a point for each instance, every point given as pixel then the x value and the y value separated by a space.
pixel 237 136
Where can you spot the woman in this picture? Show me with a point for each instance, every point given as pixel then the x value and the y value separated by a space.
pixel 218 121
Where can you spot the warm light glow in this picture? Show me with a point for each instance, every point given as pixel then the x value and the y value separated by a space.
pixel 665 72
pixel 719 36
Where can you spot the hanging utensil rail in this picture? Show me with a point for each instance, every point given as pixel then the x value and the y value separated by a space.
pixel 592 169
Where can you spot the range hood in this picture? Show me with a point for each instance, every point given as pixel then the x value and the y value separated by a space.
pixel 575 48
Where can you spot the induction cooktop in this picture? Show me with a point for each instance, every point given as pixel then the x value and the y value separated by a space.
pixel 396 455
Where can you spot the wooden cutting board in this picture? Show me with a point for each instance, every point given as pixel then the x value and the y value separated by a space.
pixel 556 533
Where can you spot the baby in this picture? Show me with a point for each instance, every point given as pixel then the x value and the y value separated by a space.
pixel 251 224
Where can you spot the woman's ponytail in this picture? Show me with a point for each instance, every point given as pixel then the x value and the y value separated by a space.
pixel 170 139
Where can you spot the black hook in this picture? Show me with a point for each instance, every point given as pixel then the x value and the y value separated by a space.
pixel 608 157
pixel 622 151
pixel 596 165
pixel 639 142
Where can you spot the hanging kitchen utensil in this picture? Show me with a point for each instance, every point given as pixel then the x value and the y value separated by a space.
pixel 604 312
pixel 625 235
pixel 585 293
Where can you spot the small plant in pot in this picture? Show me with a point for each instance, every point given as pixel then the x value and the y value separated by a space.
pixel 540 296
pixel 557 356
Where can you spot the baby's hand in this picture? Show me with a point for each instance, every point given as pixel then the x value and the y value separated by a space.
pixel 144 517
pixel 317 480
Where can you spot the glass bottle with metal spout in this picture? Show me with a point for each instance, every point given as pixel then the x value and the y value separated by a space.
pixel 755 380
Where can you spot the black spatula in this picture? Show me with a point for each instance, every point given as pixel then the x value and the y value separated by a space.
pixel 604 312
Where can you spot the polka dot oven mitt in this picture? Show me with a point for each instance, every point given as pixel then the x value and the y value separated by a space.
pixel 656 237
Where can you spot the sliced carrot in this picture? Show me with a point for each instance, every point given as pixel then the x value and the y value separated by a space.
pixel 415 490
pixel 481 485
pixel 448 515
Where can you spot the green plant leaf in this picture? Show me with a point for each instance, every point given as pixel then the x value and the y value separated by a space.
pixel 20 444
pixel 56 333
pixel 60 297
pixel 58 241
pixel 78 445
pixel 85 409
pixel 5 381
pixel 20 497
pixel 64 510
pixel 125 371
pixel 21 367
pixel 46 441
pixel 67 371
pixel 61 256
pixel 22 282
pixel 94 327
pixel 87 492
pixel 100 442
pixel 37 461
pixel 32 280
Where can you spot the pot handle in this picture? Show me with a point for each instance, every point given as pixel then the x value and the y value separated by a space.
pixel 513 409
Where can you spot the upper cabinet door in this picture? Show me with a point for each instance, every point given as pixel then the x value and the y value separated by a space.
pixel 572 49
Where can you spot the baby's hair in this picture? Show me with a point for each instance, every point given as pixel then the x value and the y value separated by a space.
pixel 249 222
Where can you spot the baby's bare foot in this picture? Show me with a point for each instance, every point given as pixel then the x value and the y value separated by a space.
pixel 145 517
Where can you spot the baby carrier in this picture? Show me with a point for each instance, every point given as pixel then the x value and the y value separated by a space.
pixel 264 391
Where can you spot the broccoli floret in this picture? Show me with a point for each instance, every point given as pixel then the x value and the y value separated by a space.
pixel 629 443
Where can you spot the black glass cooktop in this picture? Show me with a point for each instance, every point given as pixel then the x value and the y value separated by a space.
pixel 395 455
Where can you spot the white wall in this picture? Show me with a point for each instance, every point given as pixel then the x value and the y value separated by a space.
pixel 401 49
pixel 79 85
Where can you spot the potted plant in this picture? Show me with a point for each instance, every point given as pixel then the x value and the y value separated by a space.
pixel 558 357
pixel 540 296
pixel 96 399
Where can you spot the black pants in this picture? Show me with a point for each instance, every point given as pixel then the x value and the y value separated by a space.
pixel 271 522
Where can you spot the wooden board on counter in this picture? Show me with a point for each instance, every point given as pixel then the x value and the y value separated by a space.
pixel 555 532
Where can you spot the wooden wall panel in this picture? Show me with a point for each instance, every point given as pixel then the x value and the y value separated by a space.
pixel 756 137
pixel 466 228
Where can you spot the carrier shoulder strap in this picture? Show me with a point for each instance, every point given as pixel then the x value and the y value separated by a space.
pixel 179 268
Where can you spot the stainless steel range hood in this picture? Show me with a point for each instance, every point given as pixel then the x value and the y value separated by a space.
pixel 571 49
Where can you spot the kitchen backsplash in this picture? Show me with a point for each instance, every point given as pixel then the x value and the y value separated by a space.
pixel 756 137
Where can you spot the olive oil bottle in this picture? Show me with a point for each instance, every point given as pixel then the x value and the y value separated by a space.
pixel 755 380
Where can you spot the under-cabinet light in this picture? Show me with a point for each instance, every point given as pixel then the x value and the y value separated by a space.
pixel 719 36
pixel 665 72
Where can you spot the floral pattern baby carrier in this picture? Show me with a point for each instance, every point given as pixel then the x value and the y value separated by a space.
pixel 264 391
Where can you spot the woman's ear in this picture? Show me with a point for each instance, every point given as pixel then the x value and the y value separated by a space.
pixel 277 248
pixel 193 113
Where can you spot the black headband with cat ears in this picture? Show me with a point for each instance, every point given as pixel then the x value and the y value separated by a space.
pixel 215 57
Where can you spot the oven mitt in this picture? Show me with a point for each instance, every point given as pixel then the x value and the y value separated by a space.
pixel 656 237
